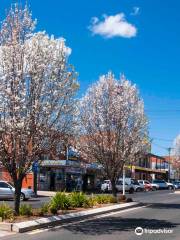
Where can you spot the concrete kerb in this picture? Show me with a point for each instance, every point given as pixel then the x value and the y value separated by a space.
pixel 6 226
pixel 46 193
pixel 57 220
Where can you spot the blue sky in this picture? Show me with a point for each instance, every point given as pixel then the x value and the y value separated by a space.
pixel 149 56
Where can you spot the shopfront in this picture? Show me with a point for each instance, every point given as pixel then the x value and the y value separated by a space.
pixel 59 175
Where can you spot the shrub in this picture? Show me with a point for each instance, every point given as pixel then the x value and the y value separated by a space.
pixel 25 210
pixel 103 199
pixel 112 199
pixel 44 209
pixel 91 202
pixel 53 209
pixel 78 199
pixel 5 211
pixel 59 201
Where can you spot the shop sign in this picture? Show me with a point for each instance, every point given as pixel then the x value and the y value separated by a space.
pixel 73 163
pixel 74 170
pixel 50 163
pixel 94 166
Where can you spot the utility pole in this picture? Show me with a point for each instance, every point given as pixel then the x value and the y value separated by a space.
pixel 169 164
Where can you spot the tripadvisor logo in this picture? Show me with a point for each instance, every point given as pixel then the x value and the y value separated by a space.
pixel 139 231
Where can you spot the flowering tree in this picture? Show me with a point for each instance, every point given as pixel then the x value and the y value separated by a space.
pixel 113 125
pixel 37 88
pixel 175 159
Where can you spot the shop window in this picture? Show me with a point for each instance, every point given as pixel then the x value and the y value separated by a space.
pixel 45 157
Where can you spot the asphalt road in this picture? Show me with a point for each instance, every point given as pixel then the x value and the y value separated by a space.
pixel 161 211
pixel 139 197
pixel 34 202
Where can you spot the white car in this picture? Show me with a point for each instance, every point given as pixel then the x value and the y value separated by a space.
pixel 137 187
pixel 134 183
pixel 128 187
pixel 148 185
pixel 107 187
pixel 7 191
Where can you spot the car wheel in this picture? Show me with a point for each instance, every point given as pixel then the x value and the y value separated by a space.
pixel 154 188
pixel 170 188
pixel 22 197
pixel 138 189
pixel 131 190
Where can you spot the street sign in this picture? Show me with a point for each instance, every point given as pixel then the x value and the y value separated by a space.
pixel 35 166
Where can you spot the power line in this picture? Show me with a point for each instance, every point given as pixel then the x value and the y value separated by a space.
pixel 163 139
pixel 162 110
pixel 159 146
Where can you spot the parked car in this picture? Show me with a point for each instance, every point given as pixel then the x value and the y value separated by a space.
pixel 137 187
pixel 7 191
pixel 162 184
pixel 176 184
pixel 170 186
pixel 147 185
pixel 135 184
pixel 128 187
pixel 107 187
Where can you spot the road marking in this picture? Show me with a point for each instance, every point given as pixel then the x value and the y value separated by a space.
pixel 85 220
pixel 6 233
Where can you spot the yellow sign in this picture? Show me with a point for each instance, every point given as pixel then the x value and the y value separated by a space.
pixel 145 169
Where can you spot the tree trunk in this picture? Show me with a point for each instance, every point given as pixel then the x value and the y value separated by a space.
pixel 18 186
pixel 35 183
pixel 114 190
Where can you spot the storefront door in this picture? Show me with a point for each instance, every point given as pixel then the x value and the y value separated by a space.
pixel 52 181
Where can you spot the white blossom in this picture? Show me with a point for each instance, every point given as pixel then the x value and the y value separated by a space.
pixel 113 126
pixel 37 89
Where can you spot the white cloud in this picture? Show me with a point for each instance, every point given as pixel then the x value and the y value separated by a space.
pixel 135 11
pixel 113 26
pixel 68 51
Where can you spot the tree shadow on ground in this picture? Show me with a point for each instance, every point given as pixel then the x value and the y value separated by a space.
pixel 164 205
pixel 111 225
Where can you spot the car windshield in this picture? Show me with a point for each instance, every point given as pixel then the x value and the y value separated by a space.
pixel 158 181
pixel 11 184
pixel 106 181
pixel 147 182
pixel 119 182
pixel 134 181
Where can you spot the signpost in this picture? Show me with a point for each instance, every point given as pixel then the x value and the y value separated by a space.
pixel 123 181
pixel 35 169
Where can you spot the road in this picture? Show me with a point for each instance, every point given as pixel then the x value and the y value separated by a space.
pixel 161 210
pixel 139 196
pixel 34 202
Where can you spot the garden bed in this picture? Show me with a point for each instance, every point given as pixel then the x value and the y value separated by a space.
pixel 35 215
pixel 60 204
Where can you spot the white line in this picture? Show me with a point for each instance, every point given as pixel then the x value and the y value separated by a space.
pixel 85 220
pixel 6 233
